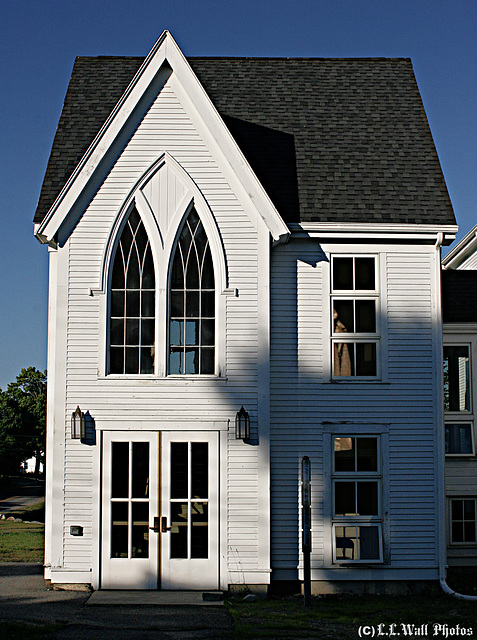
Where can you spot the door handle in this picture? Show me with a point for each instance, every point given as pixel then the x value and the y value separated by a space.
pixel 155 528
pixel 164 527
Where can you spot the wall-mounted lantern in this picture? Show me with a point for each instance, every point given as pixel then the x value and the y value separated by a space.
pixel 78 425
pixel 242 425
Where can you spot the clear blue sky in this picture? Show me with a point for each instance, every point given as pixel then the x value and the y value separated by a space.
pixel 40 39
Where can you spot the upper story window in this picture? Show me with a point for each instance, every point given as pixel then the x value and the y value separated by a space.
pixel 192 302
pixel 132 302
pixel 456 378
pixel 354 304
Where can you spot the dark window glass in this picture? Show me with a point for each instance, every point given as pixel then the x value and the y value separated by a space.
pixel 132 298
pixel 192 298
pixel 140 470
pixel 345 501
pixel 179 527
pixel 342 273
pixel 199 543
pixel 119 529
pixel 120 470
pixel 459 438
pixel 140 530
pixel 367 454
pixel 368 543
pixel 199 470
pixel 343 315
pixel 365 359
pixel 344 454
pixel 365 274
pixel 365 316
pixel 456 378
pixel 179 470
pixel 367 498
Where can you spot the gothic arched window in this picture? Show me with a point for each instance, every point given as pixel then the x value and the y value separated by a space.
pixel 132 303
pixel 192 302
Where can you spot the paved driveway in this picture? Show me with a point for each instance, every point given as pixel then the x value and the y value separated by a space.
pixel 24 598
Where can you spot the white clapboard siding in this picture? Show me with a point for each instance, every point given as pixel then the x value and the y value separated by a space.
pixel 304 404
pixel 165 128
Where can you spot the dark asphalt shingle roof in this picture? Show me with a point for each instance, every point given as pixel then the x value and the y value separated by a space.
pixel 459 295
pixel 332 140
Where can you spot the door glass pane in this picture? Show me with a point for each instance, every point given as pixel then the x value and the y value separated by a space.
pixel 140 469
pixel 199 470
pixel 179 470
pixel 178 532
pixel 119 529
pixel 140 530
pixel 200 530
pixel 120 470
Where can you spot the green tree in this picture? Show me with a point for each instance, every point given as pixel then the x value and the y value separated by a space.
pixel 23 420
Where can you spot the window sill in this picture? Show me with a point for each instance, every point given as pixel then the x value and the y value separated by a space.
pixel 155 378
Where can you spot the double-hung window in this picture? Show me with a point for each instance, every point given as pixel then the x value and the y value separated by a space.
pixel 354 308
pixel 459 436
pixel 463 520
pixel 356 499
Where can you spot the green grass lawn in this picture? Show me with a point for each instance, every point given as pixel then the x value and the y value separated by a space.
pixel 339 617
pixel 21 542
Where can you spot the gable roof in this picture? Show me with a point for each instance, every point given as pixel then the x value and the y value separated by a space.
pixel 331 140
pixel 462 251
pixel 459 296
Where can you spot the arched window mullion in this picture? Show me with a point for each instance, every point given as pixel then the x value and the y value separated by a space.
pixel 132 332
pixel 188 352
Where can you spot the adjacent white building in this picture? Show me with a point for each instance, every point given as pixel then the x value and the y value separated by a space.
pixel 256 233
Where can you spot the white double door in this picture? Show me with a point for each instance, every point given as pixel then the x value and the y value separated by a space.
pixel 160 510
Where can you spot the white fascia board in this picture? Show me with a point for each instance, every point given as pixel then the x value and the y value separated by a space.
pixel 102 142
pixel 246 183
pixel 461 251
pixel 381 231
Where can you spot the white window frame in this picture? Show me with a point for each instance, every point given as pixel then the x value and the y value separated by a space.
pixel 357 520
pixel 465 412
pixel 465 417
pixel 355 337
pixel 462 543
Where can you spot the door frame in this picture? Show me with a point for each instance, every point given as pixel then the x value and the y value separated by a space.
pixel 192 573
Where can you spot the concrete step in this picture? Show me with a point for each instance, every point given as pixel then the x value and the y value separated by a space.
pixel 105 598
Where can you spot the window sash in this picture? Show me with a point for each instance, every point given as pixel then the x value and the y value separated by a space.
pixel 353 543
pixel 455 438
pixel 457 379
pixel 463 521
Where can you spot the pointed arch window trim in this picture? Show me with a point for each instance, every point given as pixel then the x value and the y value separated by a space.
pixel 192 303
pixel 132 301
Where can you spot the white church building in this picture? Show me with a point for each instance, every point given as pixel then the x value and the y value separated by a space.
pixel 244 270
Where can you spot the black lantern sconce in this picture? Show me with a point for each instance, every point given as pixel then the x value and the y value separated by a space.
pixel 78 425
pixel 242 425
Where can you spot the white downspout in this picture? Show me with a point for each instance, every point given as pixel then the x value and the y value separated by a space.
pixel 441 492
